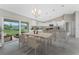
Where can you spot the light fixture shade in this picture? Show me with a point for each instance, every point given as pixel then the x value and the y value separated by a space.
pixel 36 12
pixel 39 12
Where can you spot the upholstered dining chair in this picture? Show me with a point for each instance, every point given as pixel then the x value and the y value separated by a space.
pixel 60 39
pixel 32 42
pixel 22 40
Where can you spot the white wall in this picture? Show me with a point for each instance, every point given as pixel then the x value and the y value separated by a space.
pixel 2 35
pixel 8 14
pixel 69 18
pixel 52 21
pixel 0 29
pixel 77 24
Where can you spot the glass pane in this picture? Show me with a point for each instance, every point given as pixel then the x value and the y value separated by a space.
pixel 11 29
pixel 24 27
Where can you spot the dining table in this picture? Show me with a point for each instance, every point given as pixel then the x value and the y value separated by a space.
pixel 45 36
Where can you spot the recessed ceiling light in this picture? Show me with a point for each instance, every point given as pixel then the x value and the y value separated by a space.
pixel 62 5
pixel 53 9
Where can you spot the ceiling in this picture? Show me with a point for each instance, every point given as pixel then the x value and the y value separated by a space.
pixel 48 11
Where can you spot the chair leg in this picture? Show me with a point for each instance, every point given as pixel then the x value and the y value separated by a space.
pixel 20 45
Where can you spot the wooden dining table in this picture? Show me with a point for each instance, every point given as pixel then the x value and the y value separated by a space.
pixel 45 36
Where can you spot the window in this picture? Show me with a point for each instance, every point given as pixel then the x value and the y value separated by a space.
pixel 24 27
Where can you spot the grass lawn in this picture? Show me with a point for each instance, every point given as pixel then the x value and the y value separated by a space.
pixel 24 30
pixel 11 32
pixel 14 32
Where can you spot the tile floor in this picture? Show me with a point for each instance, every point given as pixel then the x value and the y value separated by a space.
pixel 68 47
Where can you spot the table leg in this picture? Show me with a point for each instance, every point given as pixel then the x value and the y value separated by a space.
pixel 46 41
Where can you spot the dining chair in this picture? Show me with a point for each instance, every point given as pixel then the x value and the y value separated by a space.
pixel 67 36
pixel 22 40
pixel 60 39
pixel 32 42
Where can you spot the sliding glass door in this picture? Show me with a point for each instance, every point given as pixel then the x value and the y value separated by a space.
pixel 11 29
pixel 24 27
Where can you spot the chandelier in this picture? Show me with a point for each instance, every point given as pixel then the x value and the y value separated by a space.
pixel 36 12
